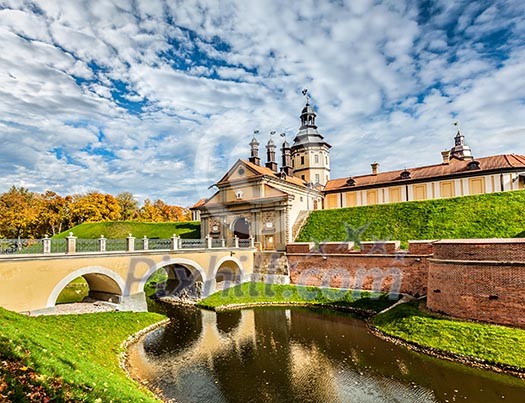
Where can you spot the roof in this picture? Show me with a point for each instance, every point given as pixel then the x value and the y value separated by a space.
pixel 454 167
pixel 262 170
pixel 199 203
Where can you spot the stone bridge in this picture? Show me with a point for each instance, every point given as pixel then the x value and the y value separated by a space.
pixel 32 282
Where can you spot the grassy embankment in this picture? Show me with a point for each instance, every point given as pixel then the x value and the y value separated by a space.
pixel 121 229
pixel 260 293
pixel 483 216
pixel 494 344
pixel 68 358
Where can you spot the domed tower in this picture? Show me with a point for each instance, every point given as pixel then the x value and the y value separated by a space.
pixel 310 152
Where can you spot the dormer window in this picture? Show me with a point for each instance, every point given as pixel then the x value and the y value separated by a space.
pixel 405 174
pixel 350 182
pixel 473 165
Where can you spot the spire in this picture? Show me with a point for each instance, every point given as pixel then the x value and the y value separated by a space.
pixel 286 154
pixel 308 133
pixel 254 149
pixel 270 153
pixel 461 151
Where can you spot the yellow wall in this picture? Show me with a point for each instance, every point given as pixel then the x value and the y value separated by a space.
pixel 476 186
pixel 395 194
pixel 351 199
pixel 331 200
pixel 447 189
pixel 371 197
pixel 420 192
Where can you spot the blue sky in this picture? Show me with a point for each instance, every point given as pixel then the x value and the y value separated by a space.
pixel 159 98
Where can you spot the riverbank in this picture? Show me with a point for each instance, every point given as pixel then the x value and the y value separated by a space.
pixel 494 347
pixel 69 358
pixel 253 294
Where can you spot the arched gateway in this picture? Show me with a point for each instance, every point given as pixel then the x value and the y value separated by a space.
pixel 241 228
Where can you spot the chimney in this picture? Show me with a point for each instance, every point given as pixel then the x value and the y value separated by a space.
pixel 254 153
pixel 270 153
pixel 446 156
pixel 375 168
pixel 286 159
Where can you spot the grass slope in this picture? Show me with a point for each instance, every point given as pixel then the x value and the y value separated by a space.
pixel 492 343
pixel 257 293
pixel 68 358
pixel 121 229
pixel 483 216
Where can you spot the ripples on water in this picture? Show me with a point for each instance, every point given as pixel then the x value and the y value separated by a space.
pixel 301 355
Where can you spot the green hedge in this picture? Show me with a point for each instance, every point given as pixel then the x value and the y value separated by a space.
pixel 484 216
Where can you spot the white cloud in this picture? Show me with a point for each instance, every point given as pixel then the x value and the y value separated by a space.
pixel 110 95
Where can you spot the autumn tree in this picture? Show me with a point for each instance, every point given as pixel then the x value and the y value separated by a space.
pixel 129 207
pixel 150 213
pixel 93 207
pixel 18 212
pixel 53 214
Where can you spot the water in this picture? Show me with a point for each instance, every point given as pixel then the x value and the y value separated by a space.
pixel 300 355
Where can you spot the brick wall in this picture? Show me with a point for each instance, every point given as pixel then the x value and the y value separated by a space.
pixel 479 279
pixel 339 265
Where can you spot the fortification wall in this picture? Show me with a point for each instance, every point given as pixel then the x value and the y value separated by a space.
pixel 482 279
pixel 378 266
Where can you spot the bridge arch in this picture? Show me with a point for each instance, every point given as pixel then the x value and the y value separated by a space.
pixel 227 272
pixel 99 279
pixel 195 269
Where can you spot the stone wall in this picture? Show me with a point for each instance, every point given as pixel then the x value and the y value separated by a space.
pixel 479 279
pixel 379 266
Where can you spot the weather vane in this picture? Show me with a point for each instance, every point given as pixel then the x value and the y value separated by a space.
pixel 305 93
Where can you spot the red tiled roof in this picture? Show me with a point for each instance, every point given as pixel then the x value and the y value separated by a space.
pixel 455 167
pixel 262 170
pixel 199 203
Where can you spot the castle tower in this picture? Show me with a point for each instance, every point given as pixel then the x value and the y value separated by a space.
pixel 286 153
pixel 310 152
pixel 254 154
pixel 461 151
pixel 270 153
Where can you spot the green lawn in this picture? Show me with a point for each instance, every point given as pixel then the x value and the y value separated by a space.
pixel 492 343
pixel 483 216
pixel 121 229
pixel 68 358
pixel 254 293
pixel 74 291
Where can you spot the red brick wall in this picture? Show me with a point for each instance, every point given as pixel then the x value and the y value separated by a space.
pixel 473 279
pixel 400 272
pixel 485 292
pixel 502 250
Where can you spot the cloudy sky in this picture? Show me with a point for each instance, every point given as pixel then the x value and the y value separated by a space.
pixel 159 97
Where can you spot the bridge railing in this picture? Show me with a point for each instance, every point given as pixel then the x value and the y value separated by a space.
pixel 72 244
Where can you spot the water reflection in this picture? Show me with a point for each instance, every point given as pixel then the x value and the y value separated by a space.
pixel 300 355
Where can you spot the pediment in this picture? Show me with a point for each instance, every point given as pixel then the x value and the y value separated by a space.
pixel 239 171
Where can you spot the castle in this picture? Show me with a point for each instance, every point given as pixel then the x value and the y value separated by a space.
pixel 271 203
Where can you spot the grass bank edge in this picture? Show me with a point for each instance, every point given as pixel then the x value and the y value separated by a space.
pixel 497 347
pixel 70 357
pixel 253 294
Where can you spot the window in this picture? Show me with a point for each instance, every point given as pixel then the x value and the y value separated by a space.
pixel 293 163
pixel 316 158
pixel 302 177
pixel 302 160
pixel 477 186
pixel 316 178
pixel 326 159
pixel 447 189
pixel 371 197
pixel 420 192
pixel 395 195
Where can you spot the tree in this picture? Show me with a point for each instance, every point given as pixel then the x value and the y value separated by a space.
pixel 53 214
pixel 150 213
pixel 93 207
pixel 129 207
pixel 18 212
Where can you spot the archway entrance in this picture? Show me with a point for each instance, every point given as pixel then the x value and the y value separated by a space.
pixel 175 280
pixel 90 287
pixel 241 228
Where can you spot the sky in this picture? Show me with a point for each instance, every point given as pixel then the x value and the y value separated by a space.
pixel 158 98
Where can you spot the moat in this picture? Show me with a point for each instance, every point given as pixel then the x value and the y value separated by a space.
pixel 299 355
